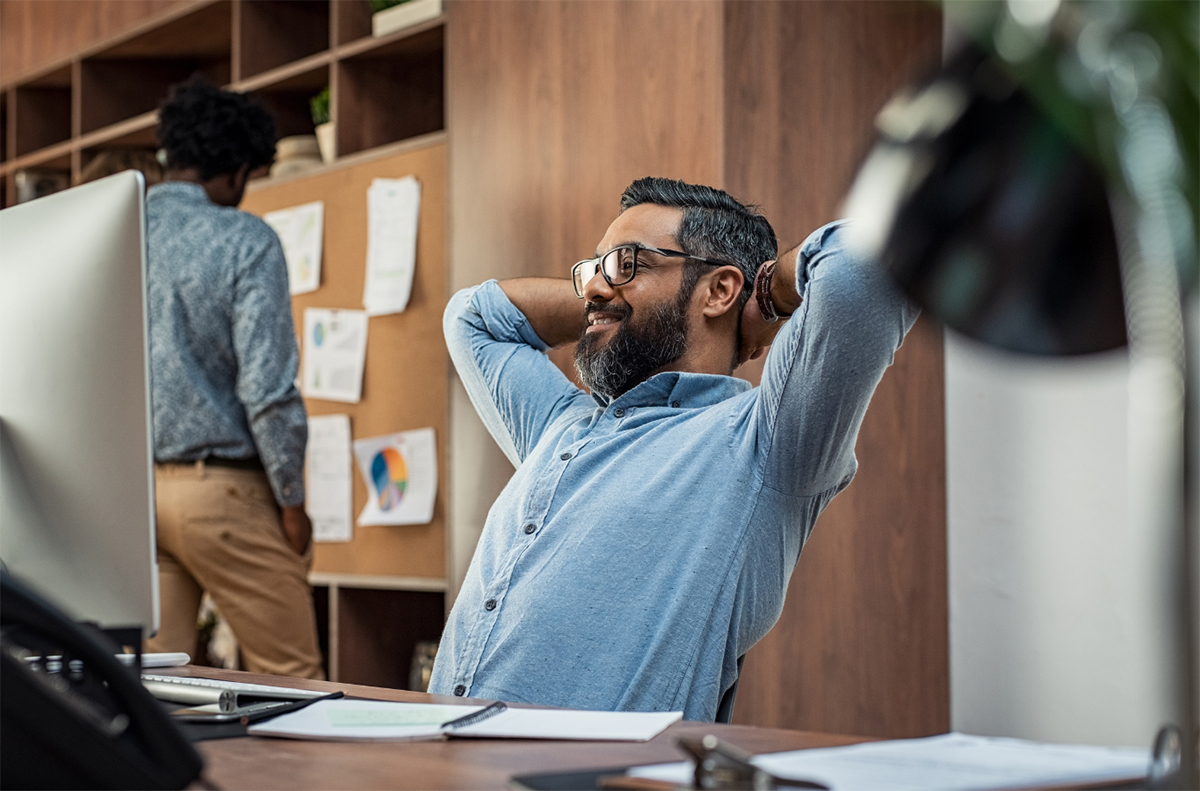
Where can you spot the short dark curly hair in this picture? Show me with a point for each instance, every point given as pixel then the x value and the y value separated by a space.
pixel 715 225
pixel 215 131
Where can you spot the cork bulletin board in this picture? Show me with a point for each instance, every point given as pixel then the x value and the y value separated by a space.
pixel 405 381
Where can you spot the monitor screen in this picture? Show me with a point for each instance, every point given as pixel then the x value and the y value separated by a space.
pixel 76 459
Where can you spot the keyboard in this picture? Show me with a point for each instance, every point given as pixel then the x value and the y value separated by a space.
pixel 215 687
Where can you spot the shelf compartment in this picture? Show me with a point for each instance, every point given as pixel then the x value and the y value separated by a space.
pixel 41 112
pixel 116 90
pixel 353 20
pixel 277 32
pixel 377 631
pixel 133 77
pixel 391 92
pixel 288 101
pixel 55 161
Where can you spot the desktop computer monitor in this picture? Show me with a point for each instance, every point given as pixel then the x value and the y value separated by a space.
pixel 76 461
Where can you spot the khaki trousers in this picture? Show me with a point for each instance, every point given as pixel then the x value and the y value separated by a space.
pixel 219 531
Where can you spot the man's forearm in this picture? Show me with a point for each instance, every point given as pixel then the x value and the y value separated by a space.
pixel 551 307
pixel 783 284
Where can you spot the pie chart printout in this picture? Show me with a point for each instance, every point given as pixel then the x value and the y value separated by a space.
pixel 390 476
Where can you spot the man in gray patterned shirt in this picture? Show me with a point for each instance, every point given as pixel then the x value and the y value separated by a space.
pixel 229 425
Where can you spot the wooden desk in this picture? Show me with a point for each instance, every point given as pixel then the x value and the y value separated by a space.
pixel 258 763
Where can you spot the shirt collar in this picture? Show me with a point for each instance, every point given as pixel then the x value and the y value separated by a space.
pixel 679 389
pixel 183 190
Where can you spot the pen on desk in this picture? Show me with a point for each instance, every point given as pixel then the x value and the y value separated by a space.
pixel 286 708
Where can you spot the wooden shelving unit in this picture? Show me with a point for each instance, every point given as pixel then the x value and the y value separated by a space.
pixel 383 90
pixel 386 97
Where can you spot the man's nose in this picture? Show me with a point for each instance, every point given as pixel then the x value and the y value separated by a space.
pixel 597 289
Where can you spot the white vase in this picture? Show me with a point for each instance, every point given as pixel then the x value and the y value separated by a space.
pixel 327 141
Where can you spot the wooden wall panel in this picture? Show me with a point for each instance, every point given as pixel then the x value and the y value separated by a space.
pixel 555 107
pixel 36 33
pixel 862 645
pixel 404 384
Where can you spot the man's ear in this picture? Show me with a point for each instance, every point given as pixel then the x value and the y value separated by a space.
pixel 721 291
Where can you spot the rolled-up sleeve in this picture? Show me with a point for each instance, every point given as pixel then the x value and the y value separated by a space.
pixel 502 362
pixel 264 340
pixel 825 364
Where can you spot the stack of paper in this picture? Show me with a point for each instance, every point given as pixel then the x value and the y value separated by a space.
pixel 951 761
pixel 373 720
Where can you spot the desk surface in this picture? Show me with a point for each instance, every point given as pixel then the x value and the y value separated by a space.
pixel 255 762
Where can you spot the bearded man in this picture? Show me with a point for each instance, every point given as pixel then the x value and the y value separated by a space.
pixel 646 540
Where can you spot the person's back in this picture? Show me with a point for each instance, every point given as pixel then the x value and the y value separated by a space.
pixel 210 265
pixel 230 426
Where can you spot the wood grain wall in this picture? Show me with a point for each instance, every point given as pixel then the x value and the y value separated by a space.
pixel 862 646
pixel 553 108
pixel 37 33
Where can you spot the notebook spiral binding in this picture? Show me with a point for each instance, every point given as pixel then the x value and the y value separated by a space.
pixel 476 717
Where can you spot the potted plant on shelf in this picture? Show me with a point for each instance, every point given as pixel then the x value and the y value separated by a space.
pixel 326 139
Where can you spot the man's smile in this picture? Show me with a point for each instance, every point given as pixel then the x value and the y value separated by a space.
pixel 597 322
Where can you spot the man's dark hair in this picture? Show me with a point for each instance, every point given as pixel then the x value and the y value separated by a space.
pixel 715 225
pixel 214 131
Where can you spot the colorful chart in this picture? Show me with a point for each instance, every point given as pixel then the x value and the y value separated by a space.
pixel 390 476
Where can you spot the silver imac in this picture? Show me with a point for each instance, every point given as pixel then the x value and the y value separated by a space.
pixel 76 460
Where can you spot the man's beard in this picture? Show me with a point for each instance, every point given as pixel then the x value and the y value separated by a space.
pixel 636 350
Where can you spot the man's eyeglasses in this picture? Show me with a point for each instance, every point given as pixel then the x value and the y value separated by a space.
pixel 619 265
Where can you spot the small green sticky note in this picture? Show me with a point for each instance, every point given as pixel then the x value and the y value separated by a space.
pixel 360 718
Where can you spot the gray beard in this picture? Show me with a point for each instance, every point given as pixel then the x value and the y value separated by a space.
pixel 636 350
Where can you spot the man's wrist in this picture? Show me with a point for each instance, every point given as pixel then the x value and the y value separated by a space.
pixel 783 284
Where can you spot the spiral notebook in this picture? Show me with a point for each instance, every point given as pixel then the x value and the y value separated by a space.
pixel 374 720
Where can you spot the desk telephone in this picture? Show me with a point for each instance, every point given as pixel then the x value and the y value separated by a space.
pixel 71 715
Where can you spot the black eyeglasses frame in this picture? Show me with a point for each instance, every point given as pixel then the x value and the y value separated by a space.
pixel 579 282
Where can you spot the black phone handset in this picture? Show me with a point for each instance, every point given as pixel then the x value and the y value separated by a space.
pixel 87 724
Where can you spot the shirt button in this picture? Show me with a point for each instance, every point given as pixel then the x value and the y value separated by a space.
pixel 489 605
pixel 675 404
pixel 460 690
pixel 566 456
pixel 529 529
pixel 618 412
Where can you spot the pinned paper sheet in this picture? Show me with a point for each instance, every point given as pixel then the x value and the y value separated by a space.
pixel 335 351
pixel 328 478
pixel 400 471
pixel 300 230
pixel 393 209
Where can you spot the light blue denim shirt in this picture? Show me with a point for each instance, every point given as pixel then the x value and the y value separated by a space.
pixel 643 545
pixel 223 355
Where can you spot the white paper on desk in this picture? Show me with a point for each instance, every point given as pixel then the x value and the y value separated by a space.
pixel 613 726
pixel 334 720
pixel 328 478
pixel 393 211
pixel 950 761
pixel 335 352
pixel 400 471
pixel 300 230
pixel 367 720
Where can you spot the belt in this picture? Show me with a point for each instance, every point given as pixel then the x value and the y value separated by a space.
pixel 253 463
